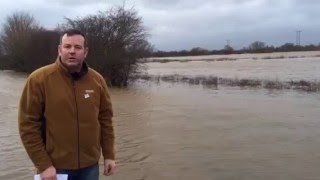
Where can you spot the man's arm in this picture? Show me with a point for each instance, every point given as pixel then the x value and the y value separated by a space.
pixel 30 112
pixel 105 119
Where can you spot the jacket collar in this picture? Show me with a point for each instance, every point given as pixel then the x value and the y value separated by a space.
pixel 76 75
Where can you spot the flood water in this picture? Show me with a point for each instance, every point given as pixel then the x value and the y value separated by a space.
pixel 178 131
pixel 294 69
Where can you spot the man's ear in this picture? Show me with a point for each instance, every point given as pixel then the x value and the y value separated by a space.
pixel 86 50
pixel 59 50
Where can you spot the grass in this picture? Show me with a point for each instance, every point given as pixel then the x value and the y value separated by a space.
pixel 183 60
pixel 213 81
pixel 276 57
pixel 305 85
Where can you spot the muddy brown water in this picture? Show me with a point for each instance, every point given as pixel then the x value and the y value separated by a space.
pixel 176 131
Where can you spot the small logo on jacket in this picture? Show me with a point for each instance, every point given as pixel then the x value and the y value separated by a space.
pixel 89 91
pixel 86 96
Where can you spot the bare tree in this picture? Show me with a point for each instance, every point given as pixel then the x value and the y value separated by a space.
pixel 41 49
pixel 15 36
pixel 228 49
pixel 116 40
pixel 257 46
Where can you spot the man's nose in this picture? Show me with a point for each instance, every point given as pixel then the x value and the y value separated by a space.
pixel 72 50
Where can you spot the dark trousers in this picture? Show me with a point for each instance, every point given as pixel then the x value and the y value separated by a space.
pixel 87 173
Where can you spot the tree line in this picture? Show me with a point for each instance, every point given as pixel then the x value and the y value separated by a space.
pixel 116 39
pixel 254 47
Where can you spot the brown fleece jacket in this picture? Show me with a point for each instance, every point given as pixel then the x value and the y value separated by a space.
pixel 66 120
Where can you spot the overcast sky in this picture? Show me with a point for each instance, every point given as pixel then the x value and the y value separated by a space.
pixel 184 24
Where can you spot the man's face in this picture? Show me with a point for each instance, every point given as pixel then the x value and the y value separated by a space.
pixel 72 51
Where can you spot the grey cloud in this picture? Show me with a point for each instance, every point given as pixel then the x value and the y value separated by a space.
pixel 242 22
pixel 183 24
pixel 76 2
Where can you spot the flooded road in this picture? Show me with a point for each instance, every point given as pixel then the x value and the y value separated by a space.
pixel 176 131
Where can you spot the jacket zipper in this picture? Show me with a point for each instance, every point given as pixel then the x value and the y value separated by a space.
pixel 75 98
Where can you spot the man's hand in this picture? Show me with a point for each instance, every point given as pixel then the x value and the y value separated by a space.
pixel 49 174
pixel 109 167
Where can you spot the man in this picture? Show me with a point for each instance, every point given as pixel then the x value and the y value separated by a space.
pixel 65 115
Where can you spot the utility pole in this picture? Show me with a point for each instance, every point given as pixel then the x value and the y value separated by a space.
pixel 298 37
pixel 228 42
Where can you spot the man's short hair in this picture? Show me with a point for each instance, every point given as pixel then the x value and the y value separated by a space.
pixel 71 32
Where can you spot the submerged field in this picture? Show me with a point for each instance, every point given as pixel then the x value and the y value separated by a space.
pixel 200 120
